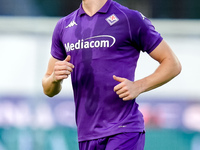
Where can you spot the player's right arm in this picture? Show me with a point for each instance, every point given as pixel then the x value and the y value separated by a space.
pixel 57 71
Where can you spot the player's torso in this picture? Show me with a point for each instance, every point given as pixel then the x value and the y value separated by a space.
pixel 100 47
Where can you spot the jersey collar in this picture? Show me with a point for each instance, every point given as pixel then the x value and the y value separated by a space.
pixel 104 9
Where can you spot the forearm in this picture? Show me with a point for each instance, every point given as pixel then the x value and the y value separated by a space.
pixel 50 87
pixel 169 68
pixel 57 71
pixel 166 71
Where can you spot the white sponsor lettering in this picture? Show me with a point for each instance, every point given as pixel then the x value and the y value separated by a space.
pixel 91 42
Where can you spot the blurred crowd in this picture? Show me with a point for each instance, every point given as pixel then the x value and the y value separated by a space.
pixel 19 112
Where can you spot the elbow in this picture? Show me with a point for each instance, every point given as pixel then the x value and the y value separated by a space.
pixel 48 93
pixel 47 90
pixel 178 69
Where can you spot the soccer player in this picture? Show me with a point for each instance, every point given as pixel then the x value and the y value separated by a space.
pixel 99 45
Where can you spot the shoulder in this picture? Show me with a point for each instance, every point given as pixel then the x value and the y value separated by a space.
pixel 67 19
pixel 135 19
pixel 62 23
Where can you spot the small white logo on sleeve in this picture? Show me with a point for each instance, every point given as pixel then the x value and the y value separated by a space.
pixel 112 19
pixel 143 17
pixel 71 24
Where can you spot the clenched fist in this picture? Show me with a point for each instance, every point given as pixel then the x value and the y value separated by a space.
pixel 126 89
pixel 62 69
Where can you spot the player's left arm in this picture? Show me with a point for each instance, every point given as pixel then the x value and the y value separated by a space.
pixel 169 68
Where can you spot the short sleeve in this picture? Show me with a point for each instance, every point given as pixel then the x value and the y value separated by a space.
pixel 57 48
pixel 143 33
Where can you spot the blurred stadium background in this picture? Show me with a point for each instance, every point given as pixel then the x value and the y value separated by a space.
pixel 31 121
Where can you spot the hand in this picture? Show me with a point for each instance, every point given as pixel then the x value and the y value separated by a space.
pixel 62 69
pixel 126 89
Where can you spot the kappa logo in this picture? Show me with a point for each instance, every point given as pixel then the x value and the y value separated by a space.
pixel 71 24
pixel 112 19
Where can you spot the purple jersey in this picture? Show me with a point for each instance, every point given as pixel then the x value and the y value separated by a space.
pixel 106 44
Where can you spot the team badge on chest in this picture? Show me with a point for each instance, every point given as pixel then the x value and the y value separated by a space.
pixel 112 19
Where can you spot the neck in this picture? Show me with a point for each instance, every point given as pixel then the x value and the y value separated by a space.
pixel 92 6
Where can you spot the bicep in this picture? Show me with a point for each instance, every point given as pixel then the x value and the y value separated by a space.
pixel 163 52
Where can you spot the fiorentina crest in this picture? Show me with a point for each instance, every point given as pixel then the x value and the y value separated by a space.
pixel 112 19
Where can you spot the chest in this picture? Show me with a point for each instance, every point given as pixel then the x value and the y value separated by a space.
pixel 101 36
pixel 100 29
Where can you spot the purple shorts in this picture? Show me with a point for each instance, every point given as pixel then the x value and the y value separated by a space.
pixel 123 141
